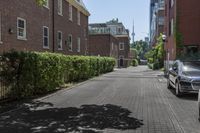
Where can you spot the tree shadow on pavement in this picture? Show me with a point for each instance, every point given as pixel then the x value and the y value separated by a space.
pixel 43 118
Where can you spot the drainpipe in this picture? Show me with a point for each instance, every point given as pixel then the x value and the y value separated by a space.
pixel 53 25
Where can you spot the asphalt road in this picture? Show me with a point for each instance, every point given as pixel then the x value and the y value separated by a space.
pixel 133 100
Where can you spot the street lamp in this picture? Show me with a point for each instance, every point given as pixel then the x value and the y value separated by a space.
pixel 164 37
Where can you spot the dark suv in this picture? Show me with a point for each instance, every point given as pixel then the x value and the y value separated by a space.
pixel 184 76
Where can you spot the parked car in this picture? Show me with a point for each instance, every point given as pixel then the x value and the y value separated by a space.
pixel 184 76
pixel 199 104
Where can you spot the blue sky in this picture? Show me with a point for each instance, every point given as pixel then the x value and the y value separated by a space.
pixel 124 10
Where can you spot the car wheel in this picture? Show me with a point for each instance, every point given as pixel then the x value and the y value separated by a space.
pixel 178 93
pixel 168 84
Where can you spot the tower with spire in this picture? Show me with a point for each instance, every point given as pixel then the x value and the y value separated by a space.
pixel 133 34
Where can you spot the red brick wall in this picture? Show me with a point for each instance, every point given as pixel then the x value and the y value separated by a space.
pixel 100 44
pixel 126 52
pixel 189 21
pixel 187 13
pixel 36 17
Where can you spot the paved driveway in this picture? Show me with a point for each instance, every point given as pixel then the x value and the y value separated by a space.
pixel 133 100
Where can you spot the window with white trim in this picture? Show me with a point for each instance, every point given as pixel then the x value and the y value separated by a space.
pixel 70 42
pixel 45 37
pixel 60 7
pixel 0 29
pixel 59 40
pixel 78 44
pixel 46 4
pixel 21 28
pixel 121 46
pixel 70 12
pixel 78 17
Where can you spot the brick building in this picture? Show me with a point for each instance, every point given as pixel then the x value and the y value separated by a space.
pixel 58 26
pixel 110 39
pixel 182 28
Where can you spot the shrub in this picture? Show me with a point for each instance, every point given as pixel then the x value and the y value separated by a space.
pixel 134 62
pixel 33 73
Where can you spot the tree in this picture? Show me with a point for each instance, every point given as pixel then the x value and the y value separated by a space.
pixel 156 54
pixel 41 2
pixel 142 47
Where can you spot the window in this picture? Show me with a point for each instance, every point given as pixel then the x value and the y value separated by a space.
pixel 46 4
pixel 78 17
pixel 121 46
pixel 172 27
pixel 172 3
pixel 70 42
pixel 59 40
pixel 112 45
pixel 78 44
pixel 21 29
pixel 70 12
pixel 60 8
pixel 0 29
pixel 45 37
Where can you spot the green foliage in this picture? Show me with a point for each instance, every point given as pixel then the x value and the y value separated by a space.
pixel 190 56
pixel 134 62
pixel 33 73
pixel 141 47
pixel 178 38
pixel 40 2
pixel 156 55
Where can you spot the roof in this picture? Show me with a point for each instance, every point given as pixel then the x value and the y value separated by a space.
pixel 80 6
pixel 98 25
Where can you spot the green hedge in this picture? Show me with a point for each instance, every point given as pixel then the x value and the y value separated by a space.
pixel 134 62
pixel 33 73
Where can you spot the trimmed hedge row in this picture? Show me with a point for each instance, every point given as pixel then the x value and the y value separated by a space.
pixel 33 73
pixel 134 62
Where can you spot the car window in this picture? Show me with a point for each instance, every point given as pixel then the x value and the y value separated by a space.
pixel 191 66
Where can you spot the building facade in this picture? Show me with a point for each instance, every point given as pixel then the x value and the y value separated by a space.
pixel 157 8
pixel 110 39
pixel 182 28
pixel 58 26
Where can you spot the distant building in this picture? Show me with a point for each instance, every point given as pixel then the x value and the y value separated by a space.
pixel 110 39
pixel 156 20
pixel 182 28
pixel 59 26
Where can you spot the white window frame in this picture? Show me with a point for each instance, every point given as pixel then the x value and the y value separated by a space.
pixel 46 4
pixel 70 44
pixel 46 47
pixel 78 44
pixel 70 12
pixel 24 29
pixel 0 29
pixel 59 40
pixel 78 17
pixel 60 7
pixel 121 44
